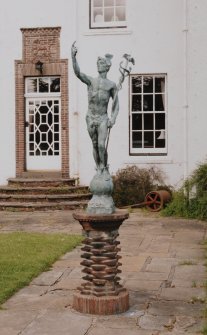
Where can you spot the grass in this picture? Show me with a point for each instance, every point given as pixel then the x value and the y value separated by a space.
pixel 187 262
pixel 23 256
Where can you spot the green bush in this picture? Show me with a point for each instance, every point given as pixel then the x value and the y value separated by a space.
pixel 131 184
pixel 191 200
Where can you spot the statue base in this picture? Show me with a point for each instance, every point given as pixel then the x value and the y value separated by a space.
pixel 101 291
pixel 101 187
pixel 101 305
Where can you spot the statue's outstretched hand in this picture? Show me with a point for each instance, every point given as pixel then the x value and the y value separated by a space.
pixel 74 50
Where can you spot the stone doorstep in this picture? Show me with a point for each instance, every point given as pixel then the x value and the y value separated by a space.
pixel 41 206
pixel 42 181
pixel 65 189
pixel 43 197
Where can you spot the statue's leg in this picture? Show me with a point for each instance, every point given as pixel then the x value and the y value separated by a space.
pixel 94 138
pixel 102 135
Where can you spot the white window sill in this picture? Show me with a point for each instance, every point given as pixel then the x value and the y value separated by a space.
pixel 148 160
pixel 107 31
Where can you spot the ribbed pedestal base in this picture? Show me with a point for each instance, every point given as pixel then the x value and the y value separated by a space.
pixel 101 292
pixel 101 305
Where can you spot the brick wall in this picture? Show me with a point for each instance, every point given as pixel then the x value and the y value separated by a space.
pixel 40 44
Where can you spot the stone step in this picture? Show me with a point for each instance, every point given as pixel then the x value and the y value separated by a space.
pixel 43 189
pixel 42 193
pixel 40 206
pixel 43 197
pixel 43 182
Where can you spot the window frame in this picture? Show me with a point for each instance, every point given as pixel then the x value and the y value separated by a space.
pixel 153 151
pixel 38 93
pixel 106 24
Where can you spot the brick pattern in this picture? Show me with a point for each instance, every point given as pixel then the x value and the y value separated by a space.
pixel 41 44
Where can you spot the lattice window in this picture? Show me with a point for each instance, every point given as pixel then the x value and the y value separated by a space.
pixel 44 127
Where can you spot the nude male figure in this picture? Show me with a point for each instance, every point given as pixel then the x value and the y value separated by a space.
pixel 100 90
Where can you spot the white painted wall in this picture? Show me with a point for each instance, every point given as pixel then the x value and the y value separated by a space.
pixel 13 16
pixel 155 38
pixel 197 82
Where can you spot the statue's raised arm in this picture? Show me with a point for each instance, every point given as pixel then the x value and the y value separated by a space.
pixel 83 77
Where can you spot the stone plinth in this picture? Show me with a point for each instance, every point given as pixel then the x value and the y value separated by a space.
pixel 101 291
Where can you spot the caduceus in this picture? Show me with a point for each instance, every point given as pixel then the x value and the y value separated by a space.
pixel 125 69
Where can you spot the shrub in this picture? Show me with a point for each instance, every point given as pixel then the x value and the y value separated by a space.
pixel 131 184
pixel 191 200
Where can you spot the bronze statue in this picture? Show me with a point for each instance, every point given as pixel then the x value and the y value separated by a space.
pixel 100 90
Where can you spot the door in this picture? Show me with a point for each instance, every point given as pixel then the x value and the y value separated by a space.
pixel 43 115
pixel 43 134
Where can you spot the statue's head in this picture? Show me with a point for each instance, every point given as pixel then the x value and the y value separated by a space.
pixel 104 63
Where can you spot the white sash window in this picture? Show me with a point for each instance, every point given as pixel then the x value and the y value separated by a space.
pixel 148 114
pixel 107 13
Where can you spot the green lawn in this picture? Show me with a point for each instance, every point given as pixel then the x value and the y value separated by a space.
pixel 25 255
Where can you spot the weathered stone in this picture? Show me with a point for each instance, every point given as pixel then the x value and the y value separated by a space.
pixel 47 278
pixel 141 285
pixel 61 323
pixel 157 322
pixel 112 331
pixel 12 322
pixel 174 308
pixel 183 293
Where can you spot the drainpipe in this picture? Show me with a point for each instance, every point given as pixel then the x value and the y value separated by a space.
pixel 185 106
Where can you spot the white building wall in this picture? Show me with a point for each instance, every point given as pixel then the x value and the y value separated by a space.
pixel 155 37
pixel 13 16
pixel 197 83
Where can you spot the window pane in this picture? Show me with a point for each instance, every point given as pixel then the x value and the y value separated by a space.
pixel 56 109
pixel 120 2
pixel 136 140
pixel 120 14
pixel 148 139
pixel 160 121
pixel 136 102
pixel 159 102
pixel 97 3
pixel 98 15
pixel 159 85
pixel 44 146
pixel 136 122
pixel 137 84
pixel 148 102
pixel 160 139
pixel 109 14
pixel 109 3
pixel 43 85
pixel 43 109
pixel 55 85
pixel 147 84
pixel 148 121
pixel 31 85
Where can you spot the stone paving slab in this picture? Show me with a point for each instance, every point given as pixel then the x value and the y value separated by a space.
pixel 163 269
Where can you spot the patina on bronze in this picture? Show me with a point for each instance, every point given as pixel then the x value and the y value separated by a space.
pixel 101 293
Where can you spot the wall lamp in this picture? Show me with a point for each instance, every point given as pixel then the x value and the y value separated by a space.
pixel 39 66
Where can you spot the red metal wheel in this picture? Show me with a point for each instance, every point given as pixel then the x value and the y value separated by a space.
pixel 154 201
